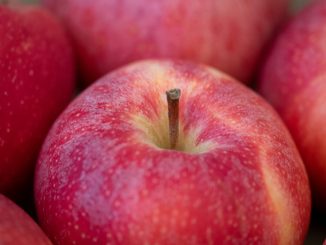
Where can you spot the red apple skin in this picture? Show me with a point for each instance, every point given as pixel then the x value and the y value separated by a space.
pixel 236 178
pixel 293 80
pixel 228 34
pixel 36 83
pixel 17 228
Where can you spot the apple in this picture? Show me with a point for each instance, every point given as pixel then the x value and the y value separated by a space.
pixel 109 171
pixel 16 227
pixel 36 83
pixel 293 80
pixel 228 34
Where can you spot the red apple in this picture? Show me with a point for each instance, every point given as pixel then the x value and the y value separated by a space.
pixel 16 227
pixel 228 34
pixel 107 174
pixel 293 80
pixel 36 83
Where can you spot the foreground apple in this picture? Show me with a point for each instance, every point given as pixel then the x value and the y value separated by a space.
pixel 107 173
pixel 16 227
pixel 293 80
pixel 228 34
pixel 36 83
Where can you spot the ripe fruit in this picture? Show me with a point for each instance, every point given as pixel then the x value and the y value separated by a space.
pixel 36 83
pixel 16 227
pixel 293 80
pixel 228 34
pixel 107 173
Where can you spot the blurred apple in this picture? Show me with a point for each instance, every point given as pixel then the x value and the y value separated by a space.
pixel 36 83
pixel 108 173
pixel 228 34
pixel 17 228
pixel 294 81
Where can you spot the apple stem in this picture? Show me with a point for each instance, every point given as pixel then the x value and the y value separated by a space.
pixel 173 96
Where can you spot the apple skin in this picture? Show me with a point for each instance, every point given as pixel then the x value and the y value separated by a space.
pixel 105 173
pixel 36 83
pixel 293 81
pixel 17 228
pixel 227 34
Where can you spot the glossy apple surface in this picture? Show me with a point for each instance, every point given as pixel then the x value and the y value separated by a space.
pixel 17 228
pixel 294 81
pixel 36 83
pixel 106 173
pixel 228 34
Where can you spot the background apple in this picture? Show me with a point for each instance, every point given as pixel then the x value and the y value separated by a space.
pixel 228 34
pixel 17 228
pixel 107 174
pixel 36 83
pixel 293 80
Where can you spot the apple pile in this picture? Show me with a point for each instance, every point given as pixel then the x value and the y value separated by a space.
pixel 166 145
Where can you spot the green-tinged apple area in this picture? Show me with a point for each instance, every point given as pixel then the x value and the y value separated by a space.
pixel 107 172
